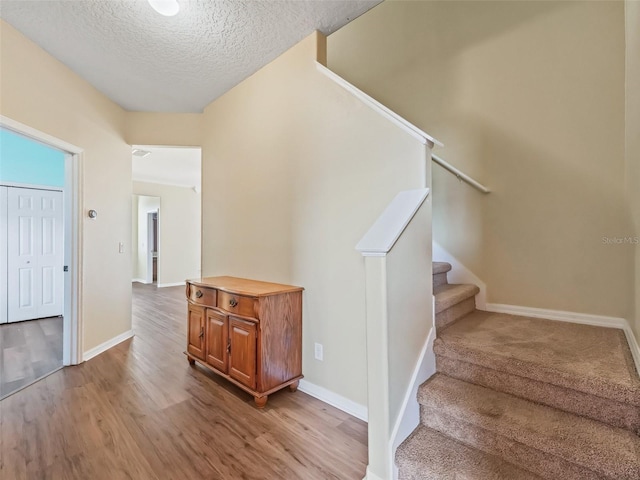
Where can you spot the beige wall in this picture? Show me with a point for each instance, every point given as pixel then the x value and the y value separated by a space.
pixel 528 97
pixel 632 153
pixel 295 170
pixel 180 231
pixel 172 129
pixel 41 92
pixel 134 236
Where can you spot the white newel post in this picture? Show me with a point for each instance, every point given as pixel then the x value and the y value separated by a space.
pixel 384 304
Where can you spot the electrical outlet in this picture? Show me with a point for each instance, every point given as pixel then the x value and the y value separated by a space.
pixel 121 247
pixel 319 354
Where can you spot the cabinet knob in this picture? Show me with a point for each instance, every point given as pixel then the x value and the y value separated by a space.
pixel 198 294
pixel 201 333
pixel 233 302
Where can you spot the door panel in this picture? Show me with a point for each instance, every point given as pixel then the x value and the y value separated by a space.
pixel 195 331
pixel 51 255
pixel 242 357
pixel 35 254
pixel 3 254
pixel 217 340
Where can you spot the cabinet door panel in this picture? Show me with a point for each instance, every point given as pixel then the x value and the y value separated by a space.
pixel 217 340
pixel 195 331
pixel 242 358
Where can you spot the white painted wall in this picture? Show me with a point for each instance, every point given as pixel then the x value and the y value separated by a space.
pixel 146 205
pixel 180 231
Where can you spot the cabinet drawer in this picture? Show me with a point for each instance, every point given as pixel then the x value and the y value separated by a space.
pixel 245 306
pixel 202 295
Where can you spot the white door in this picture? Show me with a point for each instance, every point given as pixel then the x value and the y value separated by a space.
pixel 35 254
pixel 3 255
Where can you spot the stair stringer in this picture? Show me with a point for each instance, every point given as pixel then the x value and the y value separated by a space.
pixel 461 274
pixel 409 417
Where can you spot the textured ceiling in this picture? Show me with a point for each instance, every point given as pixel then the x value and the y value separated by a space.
pixel 168 165
pixel 146 62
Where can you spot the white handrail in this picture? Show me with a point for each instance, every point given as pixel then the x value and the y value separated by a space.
pixel 461 176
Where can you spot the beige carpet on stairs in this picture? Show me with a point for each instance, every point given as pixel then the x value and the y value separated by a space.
pixel 519 397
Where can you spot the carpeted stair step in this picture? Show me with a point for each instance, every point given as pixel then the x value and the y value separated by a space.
pixel 453 301
pixel 580 369
pixel 549 442
pixel 440 270
pixel 427 454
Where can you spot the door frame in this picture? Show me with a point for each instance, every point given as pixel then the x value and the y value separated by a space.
pixel 72 349
pixel 149 252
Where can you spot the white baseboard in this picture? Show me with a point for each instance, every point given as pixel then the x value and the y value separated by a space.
pixel 103 347
pixel 573 317
pixel 176 284
pixel 333 399
pixel 460 274
pixel 139 280
pixel 560 315
pixel 369 475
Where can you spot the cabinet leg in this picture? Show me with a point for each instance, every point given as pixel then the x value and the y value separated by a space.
pixel 261 401
pixel 191 361
pixel 294 386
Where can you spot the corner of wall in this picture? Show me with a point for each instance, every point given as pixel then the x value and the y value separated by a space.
pixel 321 48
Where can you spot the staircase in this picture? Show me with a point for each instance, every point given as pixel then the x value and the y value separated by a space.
pixel 522 398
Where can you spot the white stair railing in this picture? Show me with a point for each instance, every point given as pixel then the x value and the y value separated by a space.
pixel 399 312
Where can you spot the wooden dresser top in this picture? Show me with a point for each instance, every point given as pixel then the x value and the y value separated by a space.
pixel 243 286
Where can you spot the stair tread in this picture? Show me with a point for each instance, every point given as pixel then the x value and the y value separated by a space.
pixel 430 454
pixel 593 360
pixel 608 450
pixel 441 267
pixel 450 294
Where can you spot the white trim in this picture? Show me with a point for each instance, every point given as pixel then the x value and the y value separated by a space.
pixel 409 416
pixel 386 230
pixel 574 317
pixel 369 475
pixel 633 346
pixel 560 315
pixel 37 135
pixel 32 187
pixel 174 284
pixel 408 127
pixel 327 396
pixel 459 273
pixel 138 280
pixel 73 329
pixel 103 347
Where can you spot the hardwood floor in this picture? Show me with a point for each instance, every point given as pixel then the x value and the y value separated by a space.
pixel 28 351
pixel 139 411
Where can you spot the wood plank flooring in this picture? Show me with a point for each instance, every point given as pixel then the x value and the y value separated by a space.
pixel 28 351
pixel 139 411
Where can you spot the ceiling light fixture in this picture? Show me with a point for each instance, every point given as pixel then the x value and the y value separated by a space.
pixel 168 8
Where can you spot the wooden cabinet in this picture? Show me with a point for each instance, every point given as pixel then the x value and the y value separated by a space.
pixel 247 331
pixel 196 331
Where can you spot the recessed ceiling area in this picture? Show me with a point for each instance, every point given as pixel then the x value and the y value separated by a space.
pixel 178 166
pixel 145 61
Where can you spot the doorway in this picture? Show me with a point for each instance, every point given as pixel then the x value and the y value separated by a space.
pixel 145 230
pixel 39 255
